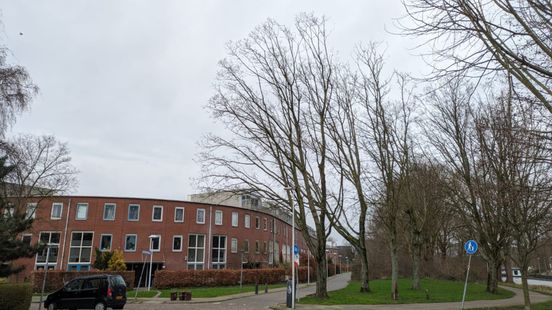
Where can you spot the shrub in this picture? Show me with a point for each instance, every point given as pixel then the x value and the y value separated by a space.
pixel 117 261
pixel 15 296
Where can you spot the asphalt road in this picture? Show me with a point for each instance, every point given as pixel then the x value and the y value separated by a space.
pixel 261 301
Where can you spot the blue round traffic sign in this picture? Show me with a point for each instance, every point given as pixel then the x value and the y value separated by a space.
pixel 470 247
pixel 296 250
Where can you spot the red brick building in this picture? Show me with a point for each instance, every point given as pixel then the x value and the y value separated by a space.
pixel 180 234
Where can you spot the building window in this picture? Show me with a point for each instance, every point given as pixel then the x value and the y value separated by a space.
pixel 133 212
pixel 218 217
pixel 257 247
pixel 271 253
pixel 51 239
pixel 157 214
pixel 218 256
pixel 246 246
pixel 81 247
pixel 235 219
pixel 105 242
pixel 196 251
pixel 177 244
pixel 130 243
pixel 264 247
pixel 109 212
pixel 200 216
pixel 82 211
pixel 30 212
pixel 234 245
pixel 57 209
pixel 179 215
pixel 265 223
pixel 247 221
pixel 27 239
pixel 155 244
pixel 257 222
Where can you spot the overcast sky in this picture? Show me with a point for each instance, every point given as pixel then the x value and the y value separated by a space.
pixel 125 83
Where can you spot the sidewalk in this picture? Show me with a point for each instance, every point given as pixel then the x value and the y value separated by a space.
pixel 516 300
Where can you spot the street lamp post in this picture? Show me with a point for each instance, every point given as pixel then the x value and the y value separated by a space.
pixel 288 189
pixel 151 258
pixel 48 246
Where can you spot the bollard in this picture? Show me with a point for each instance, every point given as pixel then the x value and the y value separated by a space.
pixel 256 288
pixel 266 287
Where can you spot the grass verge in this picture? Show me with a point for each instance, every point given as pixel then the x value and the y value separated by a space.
pixel 208 292
pixel 431 291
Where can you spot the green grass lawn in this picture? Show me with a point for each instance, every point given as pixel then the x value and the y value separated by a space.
pixel 205 292
pixel 438 291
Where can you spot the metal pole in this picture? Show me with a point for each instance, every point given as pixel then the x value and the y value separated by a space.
pixel 241 271
pixel 151 264
pixel 45 275
pixel 308 267
pixel 293 261
pixel 466 283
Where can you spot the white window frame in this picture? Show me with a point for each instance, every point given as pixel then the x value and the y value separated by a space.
pixel 151 243
pixel 257 222
pixel 265 223
pixel 55 204
pixel 246 249
pixel 135 242
pixel 181 241
pixel 234 245
pixel 28 235
pixel 81 247
pixel 235 219
pixel 153 214
pixel 80 205
pixel 197 216
pixel 220 264
pixel 110 242
pixel 218 217
pixel 114 211
pixel 34 206
pixel 257 247
pixel 195 262
pixel 183 216
pixel 247 221
pixel 128 212
pixel 58 257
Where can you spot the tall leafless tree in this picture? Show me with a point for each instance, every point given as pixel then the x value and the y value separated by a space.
pixel 16 90
pixel 488 36
pixel 273 93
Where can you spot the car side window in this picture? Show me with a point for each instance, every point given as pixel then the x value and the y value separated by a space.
pixel 91 284
pixel 73 285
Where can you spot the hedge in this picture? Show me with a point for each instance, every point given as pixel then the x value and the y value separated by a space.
pixel 15 296
pixel 57 278
pixel 214 277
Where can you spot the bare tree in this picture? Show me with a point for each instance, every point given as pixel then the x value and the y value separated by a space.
pixel 273 93
pixel 489 36
pixel 16 91
pixel 452 132
pixel 518 161
pixel 41 167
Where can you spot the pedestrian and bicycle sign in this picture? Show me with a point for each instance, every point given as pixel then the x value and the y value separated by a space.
pixel 296 255
pixel 470 247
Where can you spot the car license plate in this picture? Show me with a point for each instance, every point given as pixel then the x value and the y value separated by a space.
pixel 119 297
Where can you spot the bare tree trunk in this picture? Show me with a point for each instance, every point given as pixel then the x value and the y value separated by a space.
pixel 416 258
pixel 364 271
pixel 394 266
pixel 492 276
pixel 525 285
pixel 508 267
pixel 321 276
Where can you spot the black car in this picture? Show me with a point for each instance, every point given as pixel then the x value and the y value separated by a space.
pixel 92 292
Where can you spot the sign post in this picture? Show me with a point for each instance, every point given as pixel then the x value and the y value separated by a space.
pixel 471 248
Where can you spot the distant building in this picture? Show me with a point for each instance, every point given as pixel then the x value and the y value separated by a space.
pixel 198 234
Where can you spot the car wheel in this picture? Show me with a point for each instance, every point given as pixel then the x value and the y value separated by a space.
pixel 100 306
pixel 52 306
